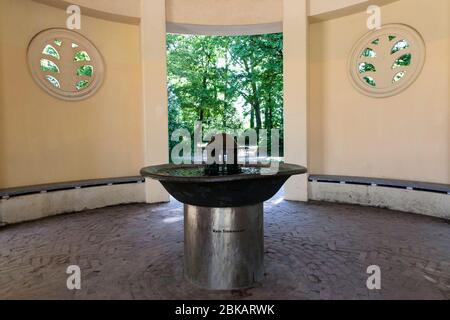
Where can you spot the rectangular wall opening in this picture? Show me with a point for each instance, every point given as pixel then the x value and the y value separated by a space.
pixel 229 84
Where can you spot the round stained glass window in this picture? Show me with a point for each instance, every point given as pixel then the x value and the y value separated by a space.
pixel 385 62
pixel 65 64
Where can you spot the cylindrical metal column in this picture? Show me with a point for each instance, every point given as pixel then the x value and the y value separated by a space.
pixel 223 247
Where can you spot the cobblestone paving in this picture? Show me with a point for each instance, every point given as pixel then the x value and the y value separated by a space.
pixel 313 251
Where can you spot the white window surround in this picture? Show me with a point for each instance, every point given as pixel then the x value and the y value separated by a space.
pixel 68 78
pixel 385 77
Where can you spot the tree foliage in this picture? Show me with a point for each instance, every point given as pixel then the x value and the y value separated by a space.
pixel 227 83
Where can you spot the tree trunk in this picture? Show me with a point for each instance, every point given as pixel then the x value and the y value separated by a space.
pixel 257 110
pixel 202 106
pixel 225 95
pixel 252 118
pixel 269 120
pixel 256 113
pixel 269 124
pixel 254 98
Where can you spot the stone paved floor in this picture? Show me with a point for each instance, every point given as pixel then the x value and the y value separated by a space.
pixel 313 251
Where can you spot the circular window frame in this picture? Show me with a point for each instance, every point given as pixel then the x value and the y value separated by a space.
pixel 417 48
pixel 34 56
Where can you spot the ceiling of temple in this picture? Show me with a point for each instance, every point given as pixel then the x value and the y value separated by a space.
pixel 216 13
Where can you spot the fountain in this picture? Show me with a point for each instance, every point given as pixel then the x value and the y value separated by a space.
pixel 223 214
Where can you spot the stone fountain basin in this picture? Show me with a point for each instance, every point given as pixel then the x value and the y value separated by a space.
pixel 189 185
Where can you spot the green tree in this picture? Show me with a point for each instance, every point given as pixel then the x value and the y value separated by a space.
pixel 214 79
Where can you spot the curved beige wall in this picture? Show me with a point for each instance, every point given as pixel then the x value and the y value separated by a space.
pixel 215 12
pixel 43 139
pixel 219 12
pixel 404 137
pixel 326 9
pixel 127 8
pixel 200 12
pixel 127 11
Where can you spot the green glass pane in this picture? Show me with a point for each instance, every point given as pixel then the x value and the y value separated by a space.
pixel 369 53
pixel 82 84
pixel 366 67
pixel 47 65
pixel 377 41
pixel 399 76
pixel 392 38
pixel 82 56
pixel 401 45
pixel 51 51
pixel 85 71
pixel 403 61
pixel 370 81
pixel 53 81
pixel 58 42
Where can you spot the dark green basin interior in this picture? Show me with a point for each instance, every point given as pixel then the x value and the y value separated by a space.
pixel 190 185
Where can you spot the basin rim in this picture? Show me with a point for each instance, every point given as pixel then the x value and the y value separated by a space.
pixel 285 169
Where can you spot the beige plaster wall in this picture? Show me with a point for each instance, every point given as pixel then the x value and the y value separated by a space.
pixel 202 12
pixel 406 136
pixel 43 139
pixel 326 9
pixel 296 52
pixel 154 84
pixel 214 12
pixel 219 12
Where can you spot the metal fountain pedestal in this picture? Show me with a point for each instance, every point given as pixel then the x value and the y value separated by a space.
pixel 223 247
pixel 223 219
